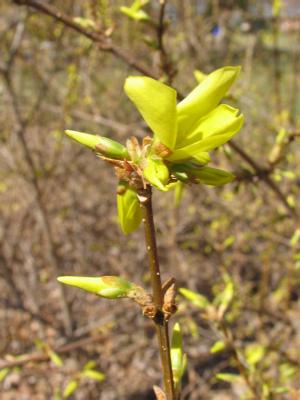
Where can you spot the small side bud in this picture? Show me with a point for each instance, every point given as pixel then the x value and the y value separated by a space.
pixel 110 287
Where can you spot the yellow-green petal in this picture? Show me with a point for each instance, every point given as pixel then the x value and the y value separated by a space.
pixel 218 121
pixel 129 210
pixel 208 142
pixel 157 104
pixel 204 98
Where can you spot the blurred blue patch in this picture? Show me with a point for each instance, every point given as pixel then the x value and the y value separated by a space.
pixel 216 30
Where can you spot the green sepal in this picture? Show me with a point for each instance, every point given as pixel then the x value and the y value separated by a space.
pixel 178 358
pixel 198 174
pixel 156 173
pixel 103 145
pixel 213 176
pixel 182 176
pixel 129 210
pixel 110 287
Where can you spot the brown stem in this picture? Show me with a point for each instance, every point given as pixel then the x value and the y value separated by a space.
pixel 104 43
pixel 45 356
pixel 145 198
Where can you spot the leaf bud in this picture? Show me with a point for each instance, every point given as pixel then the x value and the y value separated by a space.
pixel 110 287
pixel 103 145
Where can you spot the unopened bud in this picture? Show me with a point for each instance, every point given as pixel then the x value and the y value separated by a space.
pixel 178 358
pixel 129 210
pixel 110 287
pixel 105 146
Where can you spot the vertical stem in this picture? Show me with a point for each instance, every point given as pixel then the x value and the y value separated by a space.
pixel 145 198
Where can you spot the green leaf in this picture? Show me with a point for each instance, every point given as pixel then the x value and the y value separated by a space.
pixel 135 12
pixel 93 374
pixel 3 373
pixel 295 238
pixel 204 98
pixel 217 347
pixel 129 210
pixel 156 173
pixel 55 358
pixel 157 104
pixel 90 365
pixel 139 15
pixel 231 378
pixel 224 298
pixel 287 371
pixel 70 388
pixel 254 353
pixel 197 299
pixel 110 287
pixel 276 8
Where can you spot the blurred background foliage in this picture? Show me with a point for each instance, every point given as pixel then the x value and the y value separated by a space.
pixel 235 248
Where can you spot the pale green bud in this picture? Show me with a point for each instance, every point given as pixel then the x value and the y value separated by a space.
pixel 103 145
pixel 129 210
pixel 178 358
pixel 110 287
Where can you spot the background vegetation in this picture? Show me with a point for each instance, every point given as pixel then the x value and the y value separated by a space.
pixel 58 212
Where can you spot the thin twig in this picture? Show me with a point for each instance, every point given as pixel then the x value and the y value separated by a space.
pixel 21 124
pixel 145 198
pixel 44 356
pixel 103 42
pixel 264 175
